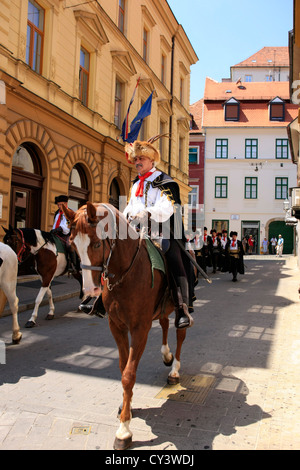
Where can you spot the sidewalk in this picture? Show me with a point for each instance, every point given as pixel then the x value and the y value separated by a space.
pixel 240 373
pixel 63 288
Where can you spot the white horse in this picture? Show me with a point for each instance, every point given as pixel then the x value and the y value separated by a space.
pixel 8 283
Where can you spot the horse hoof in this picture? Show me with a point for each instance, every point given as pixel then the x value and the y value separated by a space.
pixel 17 340
pixel 49 317
pixel 122 444
pixel 30 324
pixel 168 364
pixel 173 380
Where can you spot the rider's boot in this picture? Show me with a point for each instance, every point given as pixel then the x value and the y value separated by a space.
pixel 97 308
pixel 183 319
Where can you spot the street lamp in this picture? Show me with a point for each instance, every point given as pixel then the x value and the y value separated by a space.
pixel 286 205
pixel 289 220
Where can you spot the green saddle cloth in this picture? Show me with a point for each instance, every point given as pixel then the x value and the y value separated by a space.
pixel 155 257
pixel 60 245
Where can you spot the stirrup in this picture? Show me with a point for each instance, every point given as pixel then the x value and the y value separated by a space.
pixel 182 318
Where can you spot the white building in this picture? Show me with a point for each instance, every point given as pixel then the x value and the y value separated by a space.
pixel 248 169
pixel 269 64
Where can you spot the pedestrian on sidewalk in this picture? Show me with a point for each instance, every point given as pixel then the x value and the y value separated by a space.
pixel 279 247
pixel 273 242
pixel 250 244
pixel 265 245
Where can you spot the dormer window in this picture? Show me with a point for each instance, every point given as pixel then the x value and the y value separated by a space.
pixel 277 109
pixel 232 110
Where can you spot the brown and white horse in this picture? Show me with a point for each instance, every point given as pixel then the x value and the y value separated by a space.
pixel 48 262
pixel 115 263
pixel 8 283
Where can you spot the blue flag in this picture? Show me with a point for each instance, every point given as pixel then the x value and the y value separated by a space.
pixel 136 124
pixel 124 133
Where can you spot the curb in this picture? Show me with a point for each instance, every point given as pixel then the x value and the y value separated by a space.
pixel 23 307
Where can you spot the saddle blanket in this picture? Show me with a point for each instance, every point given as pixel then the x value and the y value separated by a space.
pixel 60 245
pixel 155 257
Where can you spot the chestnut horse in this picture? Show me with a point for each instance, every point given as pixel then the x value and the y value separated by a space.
pixel 116 264
pixel 8 283
pixel 48 262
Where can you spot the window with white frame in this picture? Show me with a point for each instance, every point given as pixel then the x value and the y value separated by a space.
pixel 193 154
pixel 194 196
pixel 282 148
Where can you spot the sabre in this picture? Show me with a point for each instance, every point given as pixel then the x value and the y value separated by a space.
pixel 200 270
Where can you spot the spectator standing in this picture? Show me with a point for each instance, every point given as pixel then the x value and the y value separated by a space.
pixel 279 247
pixel 265 245
pixel 273 242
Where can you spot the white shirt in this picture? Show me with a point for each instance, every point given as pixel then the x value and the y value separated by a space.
pixel 63 224
pixel 224 242
pixel 153 200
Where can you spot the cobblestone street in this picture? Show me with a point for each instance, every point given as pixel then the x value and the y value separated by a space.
pixel 60 387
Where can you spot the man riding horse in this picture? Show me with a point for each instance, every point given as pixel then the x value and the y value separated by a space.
pixel 155 198
pixel 61 229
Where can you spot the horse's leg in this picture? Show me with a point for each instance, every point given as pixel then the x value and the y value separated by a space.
pixel 38 300
pixel 138 342
pixel 120 334
pixel 50 314
pixel 173 377
pixel 167 356
pixel 13 302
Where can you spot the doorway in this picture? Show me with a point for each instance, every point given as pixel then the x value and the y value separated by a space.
pixel 252 228
pixel 26 188
pixel 286 231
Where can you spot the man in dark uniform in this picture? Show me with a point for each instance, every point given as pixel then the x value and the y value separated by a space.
pixel 61 229
pixel 235 256
pixel 206 250
pixel 224 241
pixel 155 198
pixel 216 249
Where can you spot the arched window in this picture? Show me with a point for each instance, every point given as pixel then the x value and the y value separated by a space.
pixel 114 193
pixel 26 187
pixel 78 188
pixel 26 159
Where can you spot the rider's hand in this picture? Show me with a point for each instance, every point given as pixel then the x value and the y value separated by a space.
pixel 141 218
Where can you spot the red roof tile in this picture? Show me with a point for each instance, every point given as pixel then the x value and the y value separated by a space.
pixel 245 90
pixel 196 110
pixel 266 57
pixel 254 99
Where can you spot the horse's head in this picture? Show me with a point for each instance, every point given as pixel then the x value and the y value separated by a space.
pixel 91 236
pixel 15 239
pixel 9 237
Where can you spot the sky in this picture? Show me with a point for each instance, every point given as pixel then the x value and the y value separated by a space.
pixel 225 32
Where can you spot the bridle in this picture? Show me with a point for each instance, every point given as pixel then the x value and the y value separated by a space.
pixel 112 244
pixel 23 248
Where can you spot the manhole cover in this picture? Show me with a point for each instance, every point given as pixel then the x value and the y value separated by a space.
pixel 191 389
pixel 81 430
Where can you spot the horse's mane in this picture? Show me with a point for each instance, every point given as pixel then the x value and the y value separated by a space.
pixel 111 215
pixel 31 238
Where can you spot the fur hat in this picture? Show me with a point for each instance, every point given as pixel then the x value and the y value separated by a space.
pixel 142 149
pixel 61 198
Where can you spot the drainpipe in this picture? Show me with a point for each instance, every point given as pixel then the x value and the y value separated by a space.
pixel 171 104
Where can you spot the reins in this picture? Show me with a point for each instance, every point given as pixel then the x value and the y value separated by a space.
pixel 24 246
pixel 112 244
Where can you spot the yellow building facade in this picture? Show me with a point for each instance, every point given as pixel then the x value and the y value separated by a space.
pixel 68 69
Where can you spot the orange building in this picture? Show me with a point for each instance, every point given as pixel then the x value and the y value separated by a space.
pixel 67 72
